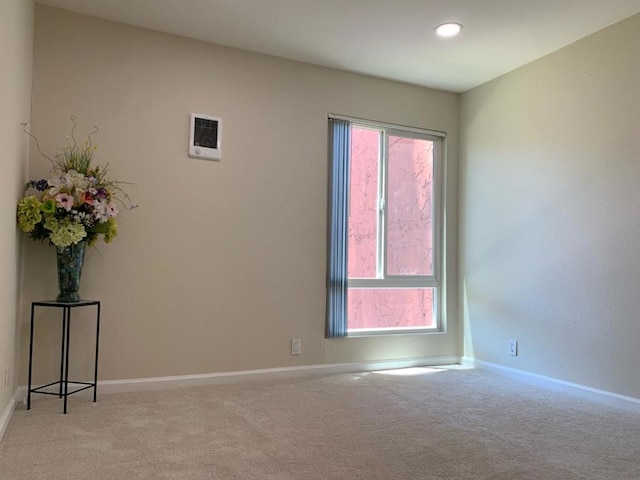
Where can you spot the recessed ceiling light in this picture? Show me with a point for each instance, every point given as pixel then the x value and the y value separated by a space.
pixel 447 30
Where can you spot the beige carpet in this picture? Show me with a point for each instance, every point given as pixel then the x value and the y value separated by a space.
pixel 452 424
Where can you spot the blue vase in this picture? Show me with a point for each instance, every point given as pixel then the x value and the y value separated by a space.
pixel 70 260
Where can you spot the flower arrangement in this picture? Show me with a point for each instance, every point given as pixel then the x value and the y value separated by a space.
pixel 77 203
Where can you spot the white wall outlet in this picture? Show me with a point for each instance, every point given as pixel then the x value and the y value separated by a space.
pixel 6 378
pixel 513 348
pixel 295 346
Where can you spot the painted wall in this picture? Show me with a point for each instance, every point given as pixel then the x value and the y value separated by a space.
pixel 223 262
pixel 550 156
pixel 16 54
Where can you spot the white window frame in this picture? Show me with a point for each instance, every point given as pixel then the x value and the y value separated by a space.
pixel 383 280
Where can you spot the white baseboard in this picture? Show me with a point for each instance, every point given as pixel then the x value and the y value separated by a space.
pixel 160 383
pixel 7 414
pixel 594 394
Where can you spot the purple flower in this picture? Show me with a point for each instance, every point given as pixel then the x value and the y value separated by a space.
pixel 101 194
pixel 40 185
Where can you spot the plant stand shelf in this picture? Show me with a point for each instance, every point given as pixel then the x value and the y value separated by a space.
pixel 63 383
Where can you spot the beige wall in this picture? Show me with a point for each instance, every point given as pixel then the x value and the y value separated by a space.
pixel 16 53
pixel 550 157
pixel 224 262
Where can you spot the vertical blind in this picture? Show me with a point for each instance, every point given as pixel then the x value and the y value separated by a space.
pixel 339 153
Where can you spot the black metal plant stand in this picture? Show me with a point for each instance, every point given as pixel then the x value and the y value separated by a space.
pixel 64 381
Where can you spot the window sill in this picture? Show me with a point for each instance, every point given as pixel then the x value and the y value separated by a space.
pixel 393 332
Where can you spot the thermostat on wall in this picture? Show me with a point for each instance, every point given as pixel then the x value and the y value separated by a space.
pixel 204 137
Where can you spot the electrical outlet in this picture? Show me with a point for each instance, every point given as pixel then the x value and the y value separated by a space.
pixel 295 346
pixel 6 378
pixel 513 348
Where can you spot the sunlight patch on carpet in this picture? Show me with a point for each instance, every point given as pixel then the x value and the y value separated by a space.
pixel 409 372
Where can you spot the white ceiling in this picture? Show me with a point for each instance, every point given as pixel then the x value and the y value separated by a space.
pixel 391 39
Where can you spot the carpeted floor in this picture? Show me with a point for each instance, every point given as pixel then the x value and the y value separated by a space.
pixel 437 424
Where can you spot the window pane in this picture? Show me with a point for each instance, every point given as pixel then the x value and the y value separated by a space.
pixel 363 203
pixel 391 308
pixel 409 207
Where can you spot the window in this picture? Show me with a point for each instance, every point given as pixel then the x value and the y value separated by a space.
pixel 385 219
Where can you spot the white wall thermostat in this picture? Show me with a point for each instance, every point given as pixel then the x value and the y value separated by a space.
pixel 205 136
